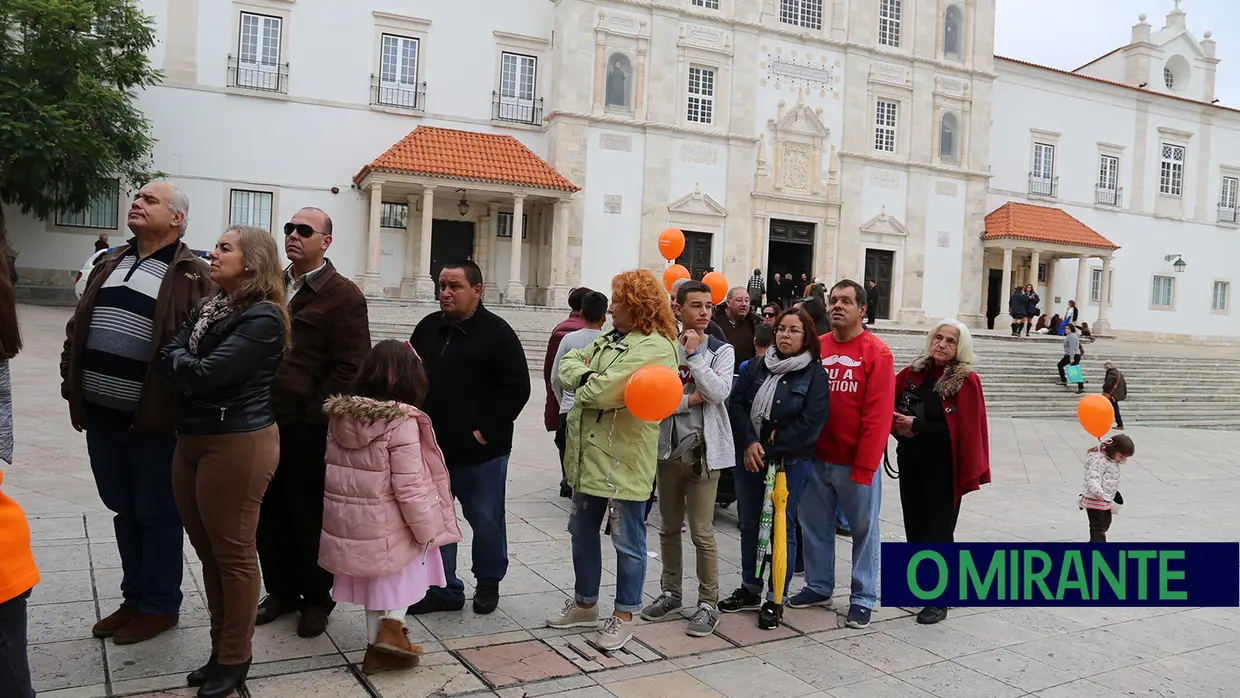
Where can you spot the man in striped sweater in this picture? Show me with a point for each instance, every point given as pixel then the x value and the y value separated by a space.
pixel 135 300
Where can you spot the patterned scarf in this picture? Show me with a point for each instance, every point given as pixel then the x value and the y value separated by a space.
pixel 764 400
pixel 219 307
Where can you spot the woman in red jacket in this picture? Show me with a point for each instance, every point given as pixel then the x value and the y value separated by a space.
pixel 943 445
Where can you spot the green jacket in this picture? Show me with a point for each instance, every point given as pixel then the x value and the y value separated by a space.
pixel 609 452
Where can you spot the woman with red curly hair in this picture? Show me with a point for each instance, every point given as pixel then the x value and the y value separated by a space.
pixel 610 455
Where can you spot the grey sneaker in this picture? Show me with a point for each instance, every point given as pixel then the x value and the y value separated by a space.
pixel 660 607
pixel 703 622
pixel 614 634
pixel 573 616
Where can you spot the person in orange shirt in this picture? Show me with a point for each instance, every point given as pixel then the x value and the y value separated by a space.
pixel 18 574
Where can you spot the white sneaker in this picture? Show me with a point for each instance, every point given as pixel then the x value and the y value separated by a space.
pixel 614 633
pixel 574 616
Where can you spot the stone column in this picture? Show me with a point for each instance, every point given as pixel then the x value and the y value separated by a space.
pixel 490 289
pixel 1005 317
pixel 1035 258
pixel 1082 266
pixel 408 282
pixel 559 256
pixel 372 282
pixel 514 292
pixel 639 85
pixel 425 285
pixel 1102 325
pixel 600 73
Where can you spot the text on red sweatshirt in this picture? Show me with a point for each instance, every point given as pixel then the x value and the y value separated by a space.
pixel 863 397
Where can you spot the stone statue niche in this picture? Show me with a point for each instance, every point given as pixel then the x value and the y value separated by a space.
pixel 799 139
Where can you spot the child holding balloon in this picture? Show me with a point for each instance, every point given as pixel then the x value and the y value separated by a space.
pixel 1101 496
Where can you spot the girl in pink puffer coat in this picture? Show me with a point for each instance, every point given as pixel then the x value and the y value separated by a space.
pixel 387 505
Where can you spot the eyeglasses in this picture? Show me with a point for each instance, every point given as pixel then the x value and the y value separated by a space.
pixel 768 314
pixel 789 330
pixel 300 228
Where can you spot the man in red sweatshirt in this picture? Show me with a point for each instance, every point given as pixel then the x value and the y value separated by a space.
pixel 849 451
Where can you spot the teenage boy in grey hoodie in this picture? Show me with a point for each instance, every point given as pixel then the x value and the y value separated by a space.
pixel 695 443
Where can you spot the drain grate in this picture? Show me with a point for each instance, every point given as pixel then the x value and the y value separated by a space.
pixel 579 650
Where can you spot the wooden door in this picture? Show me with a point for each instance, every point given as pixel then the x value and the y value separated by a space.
pixel 878 266
pixel 696 257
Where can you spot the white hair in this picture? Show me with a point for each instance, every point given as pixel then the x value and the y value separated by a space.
pixel 964 345
pixel 178 202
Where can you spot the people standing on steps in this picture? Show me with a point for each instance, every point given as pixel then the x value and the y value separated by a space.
pixel 943 443
pixel 1071 356
pixel 871 302
pixel 479 382
pixel 611 455
pixel 593 316
pixel 1072 314
pixel 756 289
pixel 787 291
pixel 1115 387
pixel 1018 308
pixel 849 450
pixel 695 446
pixel 222 364
pixel 18 573
pixel 330 338
pixel 388 503
pixel 136 298
pixel 1032 307
pixel 777 410
pixel 551 409
pixel 738 324
pixel 801 287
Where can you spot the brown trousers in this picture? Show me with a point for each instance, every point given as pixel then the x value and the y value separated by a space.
pixel 687 488
pixel 219 481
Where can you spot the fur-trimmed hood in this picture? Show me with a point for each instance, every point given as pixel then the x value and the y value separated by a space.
pixel 953 377
pixel 357 421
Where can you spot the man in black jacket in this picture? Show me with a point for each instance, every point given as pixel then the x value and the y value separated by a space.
pixel 478 384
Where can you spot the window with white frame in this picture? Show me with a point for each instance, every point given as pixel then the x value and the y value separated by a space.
pixel 952 32
pixel 1220 297
pixel 802 13
pixel 708 4
pixel 252 208
pixel 258 52
pixel 1171 172
pixel 1043 161
pixel 1095 286
pixel 517 82
pixel 1162 292
pixel 1229 188
pixel 885 116
pixel 701 106
pixel 398 71
pixel 504 223
pixel 393 215
pixel 889 17
pixel 102 213
pixel 1108 173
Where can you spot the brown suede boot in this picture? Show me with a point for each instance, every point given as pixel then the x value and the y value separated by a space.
pixel 393 638
pixel 108 626
pixel 377 661
pixel 143 627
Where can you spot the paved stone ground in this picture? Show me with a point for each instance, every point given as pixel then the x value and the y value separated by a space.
pixel 1181 486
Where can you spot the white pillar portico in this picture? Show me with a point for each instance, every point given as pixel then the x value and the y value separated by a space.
pixel 1082 267
pixel 1035 259
pixel 1102 324
pixel 514 291
pixel 424 284
pixel 559 256
pixel 490 289
pixel 372 282
pixel 408 282
pixel 1005 317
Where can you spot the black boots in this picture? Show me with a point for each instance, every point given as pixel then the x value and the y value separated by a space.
pixel 199 676
pixel 223 680
pixel 486 598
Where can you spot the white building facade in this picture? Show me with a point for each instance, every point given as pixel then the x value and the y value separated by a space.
pixel 839 139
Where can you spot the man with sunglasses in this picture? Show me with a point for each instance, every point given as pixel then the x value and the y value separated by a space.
pixel 331 337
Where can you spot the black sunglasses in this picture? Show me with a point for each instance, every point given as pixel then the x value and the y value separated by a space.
pixel 300 228
pixel 768 314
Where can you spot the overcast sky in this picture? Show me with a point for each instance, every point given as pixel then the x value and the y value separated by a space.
pixel 1068 33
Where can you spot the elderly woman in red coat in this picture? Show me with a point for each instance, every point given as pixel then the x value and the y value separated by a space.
pixel 943 447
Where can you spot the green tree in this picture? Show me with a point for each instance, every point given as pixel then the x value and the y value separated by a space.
pixel 69 72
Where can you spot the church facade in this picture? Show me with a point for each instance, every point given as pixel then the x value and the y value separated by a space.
pixel 553 141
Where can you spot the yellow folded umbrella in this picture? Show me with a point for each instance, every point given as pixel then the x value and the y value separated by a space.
pixel 779 536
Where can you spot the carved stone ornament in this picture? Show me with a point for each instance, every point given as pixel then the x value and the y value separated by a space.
pixel 885 179
pixel 945 238
pixel 889 72
pixel 951 86
pixel 795 165
pixel 705 37
pixel 698 153
pixel 698 203
pixel 612 203
pixel 615 141
pixel 818 75
pixel 946 188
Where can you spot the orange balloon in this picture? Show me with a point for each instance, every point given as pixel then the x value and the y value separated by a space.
pixel 671 243
pixel 653 393
pixel 1095 414
pixel 718 286
pixel 673 274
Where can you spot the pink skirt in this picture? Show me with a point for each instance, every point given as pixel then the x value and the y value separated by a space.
pixel 394 591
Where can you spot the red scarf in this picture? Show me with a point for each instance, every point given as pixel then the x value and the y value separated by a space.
pixel 965 407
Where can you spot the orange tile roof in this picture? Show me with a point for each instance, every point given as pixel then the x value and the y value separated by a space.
pixel 1042 224
pixel 1112 82
pixel 467 155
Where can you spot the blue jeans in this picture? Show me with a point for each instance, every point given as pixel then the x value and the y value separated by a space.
pixel 14 665
pixel 749 490
pixel 628 535
pixel 829 487
pixel 481 490
pixel 134 479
